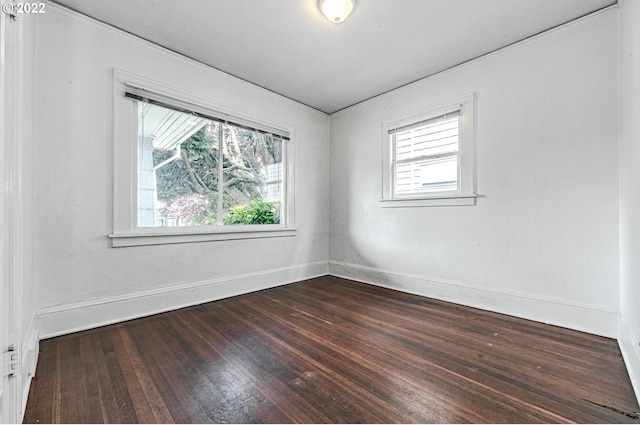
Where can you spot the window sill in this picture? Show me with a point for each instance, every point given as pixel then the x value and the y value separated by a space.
pixel 431 201
pixel 140 239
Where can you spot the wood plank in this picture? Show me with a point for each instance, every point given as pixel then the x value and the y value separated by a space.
pixel 466 371
pixel 330 350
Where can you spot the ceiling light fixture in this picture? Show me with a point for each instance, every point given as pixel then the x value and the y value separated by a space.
pixel 336 11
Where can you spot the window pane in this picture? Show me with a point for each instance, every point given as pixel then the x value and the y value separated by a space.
pixel 253 177
pixel 426 156
pixel 431 175
pixel 177 168
pixel 181 184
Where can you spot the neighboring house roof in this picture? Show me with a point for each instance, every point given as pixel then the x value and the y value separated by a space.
pixel 166 127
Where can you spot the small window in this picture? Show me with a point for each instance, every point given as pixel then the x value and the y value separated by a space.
pixel 186 170
pixel 428 156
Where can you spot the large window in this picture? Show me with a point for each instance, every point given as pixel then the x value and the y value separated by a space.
pixel 200 173
pixel 195 171
pixel 428 156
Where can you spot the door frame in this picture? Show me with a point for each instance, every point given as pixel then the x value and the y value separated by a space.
pixel 11 98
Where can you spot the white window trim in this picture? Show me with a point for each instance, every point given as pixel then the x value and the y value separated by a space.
pixel 125 227
pixel 465 195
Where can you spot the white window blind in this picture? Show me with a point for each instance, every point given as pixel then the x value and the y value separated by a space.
pixel 426 155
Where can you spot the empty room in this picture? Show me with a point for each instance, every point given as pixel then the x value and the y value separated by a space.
pixel 320 211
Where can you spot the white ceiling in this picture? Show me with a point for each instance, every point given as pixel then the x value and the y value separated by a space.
pixel 288 47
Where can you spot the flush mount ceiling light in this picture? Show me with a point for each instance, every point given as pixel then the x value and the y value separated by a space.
pixel 336 11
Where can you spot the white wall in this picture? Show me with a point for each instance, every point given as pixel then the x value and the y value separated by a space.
pixel 542 241
pixel 81 281
pixel 629 332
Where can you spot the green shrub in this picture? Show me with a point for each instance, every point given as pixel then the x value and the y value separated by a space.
pixel 255 212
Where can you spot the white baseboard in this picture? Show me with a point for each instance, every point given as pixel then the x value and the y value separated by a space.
pixel 73 317
pixel 29 350
pixel 597 320
pixel 630 349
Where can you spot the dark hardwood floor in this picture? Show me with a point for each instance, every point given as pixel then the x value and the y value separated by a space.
pixel 330 350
